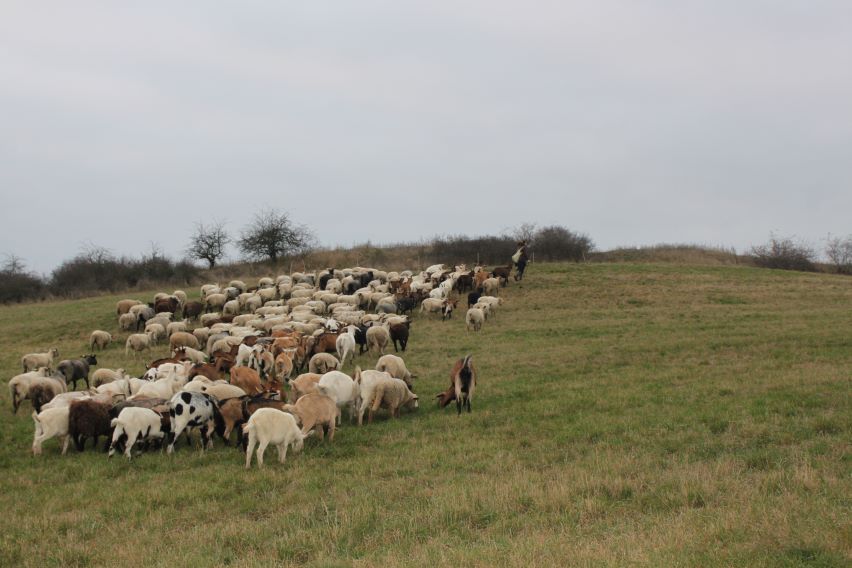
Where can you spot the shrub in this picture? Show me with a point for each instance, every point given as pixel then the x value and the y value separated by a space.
pixel 839 252
pixel 784 254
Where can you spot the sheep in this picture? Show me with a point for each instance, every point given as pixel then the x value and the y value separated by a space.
pixel 221 392
pixel 238 284
pixel 40 389
pixel 316 411
pixel 323 363
pixel 486 309
pixel 214 302
pixel 76 369
pixel 104 376
pixel 123 306
pixel 431 305
pixel 176 326
pixel 156 332
pixel 190 354
pixel 378 337
pixel 474 319
pixel 33 361
pixel 183 339
pixel 393 395
pixel 88 419
pixel 134 423
pixel 99 339
pixel 40 395
pixel 302 385
pixel 341 388
pixel 270 426
pixel 19 386
pixel 399 333
pixel 491 287
pixel 50 423
pixel 395 367
pixel 160 388
pixel 138 342
pixel 236 411
pixel 62 400
pixel 193 410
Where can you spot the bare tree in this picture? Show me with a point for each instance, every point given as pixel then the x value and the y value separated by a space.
pixel 272 235
pixel 784 253
pixel 13 264
pixel 839 252
pixel 208 242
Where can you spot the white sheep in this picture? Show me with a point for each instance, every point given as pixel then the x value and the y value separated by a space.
pixel 127 322
pixel 378 336
pixel 392 394
pixel 137 424
pixel 474 319
pixel 156 331
pixel 271 426
pixel 176 326
pixel 33 361
pixel 51 423
pixel 395 366
pixel 138 342
pixel 491 287
pixel 366 383
pixel 103 376
pixel 99 339
pixel 323 363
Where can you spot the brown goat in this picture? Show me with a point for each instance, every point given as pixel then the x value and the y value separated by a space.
pixel 247 379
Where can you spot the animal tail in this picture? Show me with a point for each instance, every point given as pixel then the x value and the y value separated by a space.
pixel 13 392
pixel 466 363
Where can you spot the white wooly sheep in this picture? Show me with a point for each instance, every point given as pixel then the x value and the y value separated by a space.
pixel 493 301
pixel 350 299
pixel 395 366
pixel 166 370
pixel 208 289
pixel 238 284
pixel 243 298
pixel 231 308
pixel 345 345
pixel 334 286
pixel 323 363
pixel 117 387
pixel 223 392
pixel 378 336
pixel 137 342
pixel 50 423
pixel 431 305
pixel 271 426
pixel 33 361
pixel 201 334
pixel 19 385
pixel 127 322
pixel 176 326
pixel 181 297
pixel 253 303
pixel 386 305
pixel 393 395
pixel 208 319
pixel 103 376
pixel 156 332
pixel 99 339
pixel 491 287
pixel 214 302
pixel 223 344
pixel 341 389
pixel 267 294
pixel 474 318
pixel 137 424
pixel 301 293
pixel 163 318
pixel 486 309
pixel 64 399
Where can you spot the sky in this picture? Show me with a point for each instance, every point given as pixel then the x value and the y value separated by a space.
pixel 637 122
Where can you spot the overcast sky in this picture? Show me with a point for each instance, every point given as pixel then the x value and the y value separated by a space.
pixel 637 122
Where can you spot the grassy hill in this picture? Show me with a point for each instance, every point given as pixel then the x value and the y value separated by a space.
pixel 654 414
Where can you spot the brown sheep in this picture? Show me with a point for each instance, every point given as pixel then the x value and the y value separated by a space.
pixel 88 419
pixel 123 306
pixel 183 339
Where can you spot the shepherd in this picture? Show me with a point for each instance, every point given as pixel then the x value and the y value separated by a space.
pixel 520 259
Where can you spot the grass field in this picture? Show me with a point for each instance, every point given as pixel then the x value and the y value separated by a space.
pixel 626 413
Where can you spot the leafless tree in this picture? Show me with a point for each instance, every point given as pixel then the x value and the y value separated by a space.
pixel 208 243
pixel 839 252
pixel 272 235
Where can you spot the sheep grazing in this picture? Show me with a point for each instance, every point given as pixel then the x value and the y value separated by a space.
pixel 392 394
pixel 193 410
pixel 491 287
pixel 138 342
pixel 316 411
pixel 395 367
pixel 191 310
pixel 134 424
pixel 41 394
pixel 88 419
pixel 474 319
pixel 19 386
pixel 50 423
pixel 76 369
pixel 127 322
pixel 322 363
pixel 378 337
pixel 183 339
pixel 399 334
pixel 33 361
pixel 270 426
pixel 99 339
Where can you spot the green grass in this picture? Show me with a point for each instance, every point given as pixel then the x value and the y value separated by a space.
pixel 660 415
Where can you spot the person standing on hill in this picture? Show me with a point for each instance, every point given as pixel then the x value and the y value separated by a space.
pixel 520 259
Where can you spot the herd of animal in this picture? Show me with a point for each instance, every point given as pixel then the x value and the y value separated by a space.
pixel 266 361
